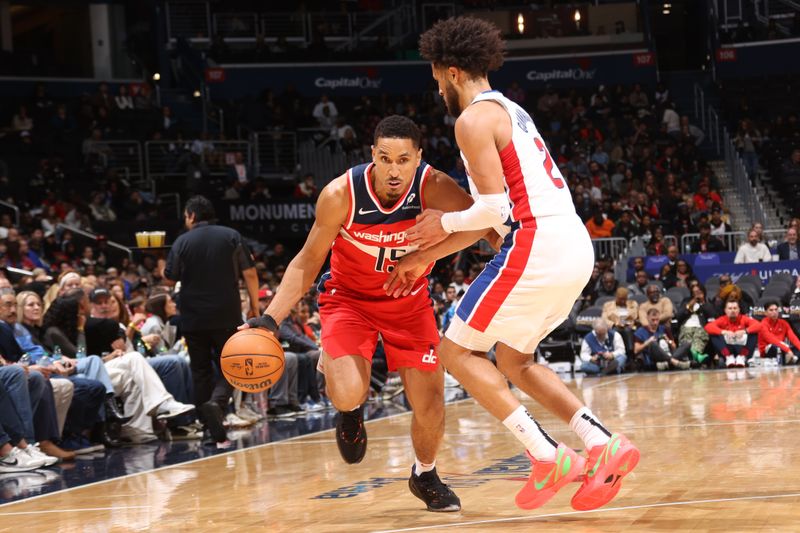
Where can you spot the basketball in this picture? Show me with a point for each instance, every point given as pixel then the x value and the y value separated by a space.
pixel 252 360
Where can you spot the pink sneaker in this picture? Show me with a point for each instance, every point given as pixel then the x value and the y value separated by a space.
pixel 607 466
pixel 547 477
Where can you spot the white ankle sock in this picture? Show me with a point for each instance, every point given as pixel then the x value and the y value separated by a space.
pixel 589 428
pixel 540 445
pixel 421 468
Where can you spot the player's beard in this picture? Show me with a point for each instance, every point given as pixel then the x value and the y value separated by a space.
pixel 451 100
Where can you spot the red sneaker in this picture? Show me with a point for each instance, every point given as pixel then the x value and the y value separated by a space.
pixel 607 465
pixel 547 477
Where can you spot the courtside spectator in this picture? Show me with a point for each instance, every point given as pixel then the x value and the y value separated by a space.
pixel 693 314
pixel 621 314
pixel 653 345
pixel 776 340
pixel 734 335
pixel 655 300
pixel 602 350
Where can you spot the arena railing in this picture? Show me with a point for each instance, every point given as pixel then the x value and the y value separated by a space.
pixel 13 208
pixel 731 240
pixel 773 237
pixel 720 136
pixel 275 152
pixel 613 247
pixel 94 237
pixel 172 158
pixel 123 155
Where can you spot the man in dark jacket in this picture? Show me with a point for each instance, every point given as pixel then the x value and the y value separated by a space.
pixel 292 333
pixel 789 250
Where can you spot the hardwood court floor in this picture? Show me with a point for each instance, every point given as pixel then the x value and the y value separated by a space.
pixel 719 453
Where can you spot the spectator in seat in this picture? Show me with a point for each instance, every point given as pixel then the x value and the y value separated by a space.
pixel 693 314
pixel 653 345
pixel 292 332
pixel 325 119
pixel 621 314
pixel 776 340
pixel 789 250
pixel 100 209
pixel 239 171
pixel 707 242
pixel 306 189
pixel 641 279
pixel 599 227
pixel 790 171
pixel 608 285
pixel 753 251
pixel 705 197
pixel 678 276
pixel 625 227
pixel 655 300
pixel 734 335
pixel 718 225
pixel 602 351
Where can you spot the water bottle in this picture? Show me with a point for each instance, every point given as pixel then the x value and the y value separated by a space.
pixel 45 361
pixel 25 360
pixel 81 353
pixel 56 352
pixel 140 347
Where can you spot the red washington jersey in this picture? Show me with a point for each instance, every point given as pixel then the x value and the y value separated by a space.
pixel 373 238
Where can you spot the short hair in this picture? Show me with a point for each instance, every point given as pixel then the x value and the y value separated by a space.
pixel 471 44
pixel 770 303
pixel 653 311
pixel 201 207
pixel 653 287
pixel 622 292
pixel 598 322
pixel 398 127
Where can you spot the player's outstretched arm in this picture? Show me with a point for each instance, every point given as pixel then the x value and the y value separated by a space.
pixel 332 209
pixel 477 131
pixel 442 195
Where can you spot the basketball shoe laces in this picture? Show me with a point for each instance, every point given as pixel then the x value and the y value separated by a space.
pixel 433 491
pixel 352 426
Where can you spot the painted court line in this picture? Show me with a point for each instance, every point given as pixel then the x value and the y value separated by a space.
pixel 604 510
pixel 115 508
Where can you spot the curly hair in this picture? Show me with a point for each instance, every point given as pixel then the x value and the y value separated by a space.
pixel 471 44
pixel 63 314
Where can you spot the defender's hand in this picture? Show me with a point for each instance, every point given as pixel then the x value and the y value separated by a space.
pixel 428 231
pixel 405 274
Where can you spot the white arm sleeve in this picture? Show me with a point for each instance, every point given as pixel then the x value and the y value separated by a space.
pixel 489 210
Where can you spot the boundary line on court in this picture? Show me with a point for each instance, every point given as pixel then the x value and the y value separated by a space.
pixel 178 465
pixel 603 510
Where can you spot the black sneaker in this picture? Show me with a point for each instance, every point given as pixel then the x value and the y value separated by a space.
pixel 280 411
pixel 212 417
pixel 436 495
pixel 351 435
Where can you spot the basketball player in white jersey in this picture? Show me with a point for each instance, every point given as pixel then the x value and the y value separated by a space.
pixel 529 287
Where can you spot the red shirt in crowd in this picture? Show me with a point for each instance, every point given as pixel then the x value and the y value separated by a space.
pixel 742 322
pixel 703 203
pixel 776 332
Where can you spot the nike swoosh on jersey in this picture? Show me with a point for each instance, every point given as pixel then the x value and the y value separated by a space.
pixel 414 293
pixel 362 212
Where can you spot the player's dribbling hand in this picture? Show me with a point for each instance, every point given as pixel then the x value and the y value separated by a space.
pixel 263 321
pixel 405 273
pixel 428 230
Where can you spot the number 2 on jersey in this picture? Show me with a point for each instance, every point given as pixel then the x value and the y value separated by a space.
pixel 548 163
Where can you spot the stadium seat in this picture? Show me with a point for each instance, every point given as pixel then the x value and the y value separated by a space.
pixel 677 294
pixel 639 298
pixel 602 300
pixel 585 319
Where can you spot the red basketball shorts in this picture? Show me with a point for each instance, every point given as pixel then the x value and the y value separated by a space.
pixel 350 326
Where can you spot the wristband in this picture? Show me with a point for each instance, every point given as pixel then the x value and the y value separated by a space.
pixel 264 322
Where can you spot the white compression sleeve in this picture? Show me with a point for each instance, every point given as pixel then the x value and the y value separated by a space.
pixel 489 210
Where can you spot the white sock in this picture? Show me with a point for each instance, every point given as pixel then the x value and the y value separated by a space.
pixel 589 428
pixel 421 468
pixel 528 431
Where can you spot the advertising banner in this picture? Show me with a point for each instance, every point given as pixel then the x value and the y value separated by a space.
pixel 762 270
pixel 283 220
pixel 412 77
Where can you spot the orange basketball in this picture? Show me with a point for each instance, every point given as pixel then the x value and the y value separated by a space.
pixel 252 360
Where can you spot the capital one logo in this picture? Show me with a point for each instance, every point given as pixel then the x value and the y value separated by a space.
pixel 429 358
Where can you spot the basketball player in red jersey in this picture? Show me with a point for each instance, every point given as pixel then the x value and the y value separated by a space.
pixel 362 218
pixel 529 287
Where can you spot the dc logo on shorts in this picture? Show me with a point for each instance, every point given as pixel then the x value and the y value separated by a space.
pixel 429 358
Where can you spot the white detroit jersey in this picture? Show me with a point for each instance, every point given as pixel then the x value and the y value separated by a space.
pixel 534 184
